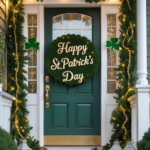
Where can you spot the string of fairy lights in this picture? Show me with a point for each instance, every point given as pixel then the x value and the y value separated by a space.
pixel 128 71
pixel 20 129
pixel 128 4
pixel 16 72
pixel 128 68
pixel 129 51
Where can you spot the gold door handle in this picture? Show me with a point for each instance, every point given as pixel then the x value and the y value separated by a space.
pixel 47 89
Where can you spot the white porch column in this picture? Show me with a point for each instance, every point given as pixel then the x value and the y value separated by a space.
pixel 143 109
pixel 141 42
pixel 5 110
pixel 1 113
pixel 134 119
pixel 142 87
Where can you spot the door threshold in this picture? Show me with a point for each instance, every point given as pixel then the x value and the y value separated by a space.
pixel 78 140
pixel 72 147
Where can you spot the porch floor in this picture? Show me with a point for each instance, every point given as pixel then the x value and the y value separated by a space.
pixel 71 147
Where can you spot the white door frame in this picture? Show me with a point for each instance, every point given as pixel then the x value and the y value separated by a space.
pixel 107 101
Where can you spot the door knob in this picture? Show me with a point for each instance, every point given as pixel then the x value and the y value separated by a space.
pixel 47 89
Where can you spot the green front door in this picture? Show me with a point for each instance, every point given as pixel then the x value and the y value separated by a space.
pixel 73 116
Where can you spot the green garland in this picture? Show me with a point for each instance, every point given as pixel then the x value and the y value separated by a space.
pixel 122 77
pixel 82 64
pixel 126 17
pixel 22 112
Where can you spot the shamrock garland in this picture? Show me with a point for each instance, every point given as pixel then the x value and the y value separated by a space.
pixel 113 45
pixel 32 46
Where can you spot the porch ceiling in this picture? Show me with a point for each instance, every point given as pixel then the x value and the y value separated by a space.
pixel 70 2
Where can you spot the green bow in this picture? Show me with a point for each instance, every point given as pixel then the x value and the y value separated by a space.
pixel 32 44
pixel 113 44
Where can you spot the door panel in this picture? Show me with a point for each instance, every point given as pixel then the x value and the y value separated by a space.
pixel 59 89
pixel 84 116
pixel 60 116
pixel 86 88
pixel 73 111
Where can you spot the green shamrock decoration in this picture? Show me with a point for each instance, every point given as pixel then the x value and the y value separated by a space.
pixel 32 45
pixel 113 45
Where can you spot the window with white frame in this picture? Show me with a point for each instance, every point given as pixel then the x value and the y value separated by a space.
pixel 32 62
pixel 72 23
pixel 111 59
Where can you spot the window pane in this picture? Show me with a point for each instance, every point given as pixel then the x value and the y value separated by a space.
pixel 32 86
pixel 72 32
pixel 57 22
pixel 111 20
pixel 87 22
pixel 111 32
pixel 111 73
pixel 32 59
pixel 72 21
pixel 111 59
pixel 111 86
pixel 32 20
pixel 56 33
pixel 88 34
pixel 32 73
pixel 32 32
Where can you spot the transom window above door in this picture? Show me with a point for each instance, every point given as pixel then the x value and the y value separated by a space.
pixel 72 23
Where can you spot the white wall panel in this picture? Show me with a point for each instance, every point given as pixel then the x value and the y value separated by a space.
pixel 109 127
pixel 33 119
pixel 6 118
pixel 34 133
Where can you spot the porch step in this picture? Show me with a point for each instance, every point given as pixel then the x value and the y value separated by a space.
pixel 71 148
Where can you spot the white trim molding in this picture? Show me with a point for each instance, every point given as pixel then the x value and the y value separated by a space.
pixel 5 109
pixel 107 101
pixel 70 3
pixel 143 97
pixel 41 84
pixel 134 118
pixel 140 112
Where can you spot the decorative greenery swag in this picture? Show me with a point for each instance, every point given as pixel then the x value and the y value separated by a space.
pixel 126 18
